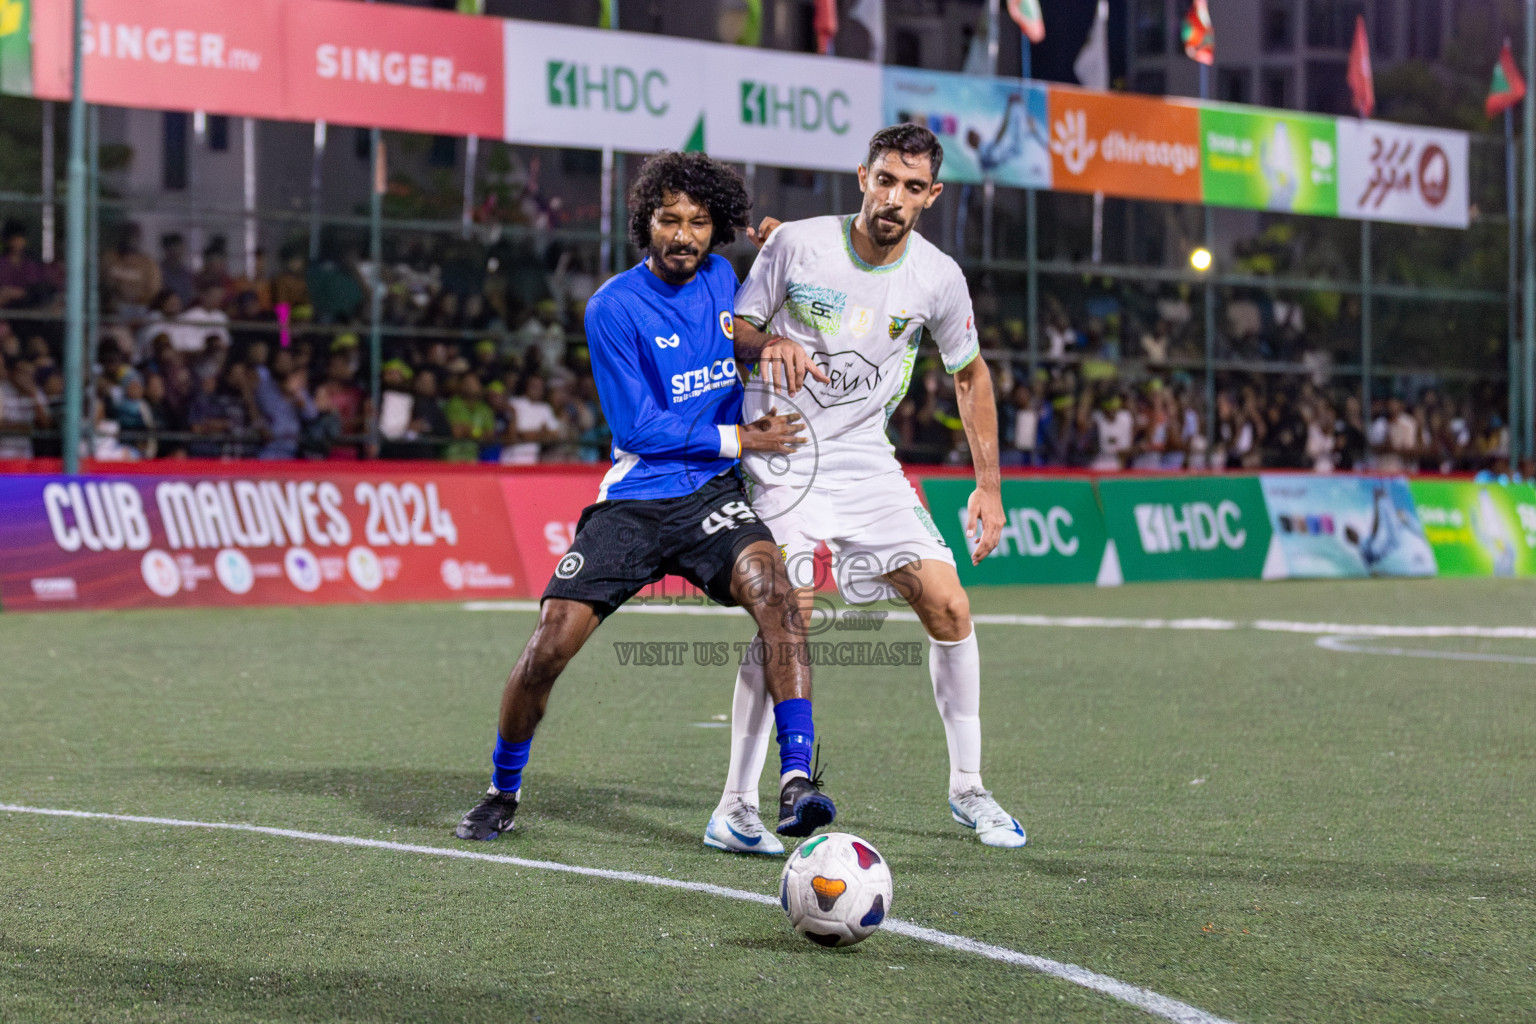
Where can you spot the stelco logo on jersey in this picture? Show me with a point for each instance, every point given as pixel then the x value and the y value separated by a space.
pixel 719 374
pixel 802 108
pixel 616 88
pixel 1195 525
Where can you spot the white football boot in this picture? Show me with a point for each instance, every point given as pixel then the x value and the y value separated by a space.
pixel 994 826
pixel 737 828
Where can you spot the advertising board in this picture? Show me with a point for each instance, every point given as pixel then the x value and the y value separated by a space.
pixel 269 537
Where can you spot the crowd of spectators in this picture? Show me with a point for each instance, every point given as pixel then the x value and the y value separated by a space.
pixel 483 361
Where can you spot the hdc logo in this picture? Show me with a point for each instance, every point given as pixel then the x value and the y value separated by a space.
pixel 616 88
pixel 1032 533
pixel 804 109
pixel 1195 525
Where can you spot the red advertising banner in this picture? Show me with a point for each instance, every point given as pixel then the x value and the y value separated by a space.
pixel 266 537
pixel 424 71
pixel 401 68
pixel 168 54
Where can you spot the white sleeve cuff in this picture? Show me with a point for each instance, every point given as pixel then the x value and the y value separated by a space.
pixel 730 442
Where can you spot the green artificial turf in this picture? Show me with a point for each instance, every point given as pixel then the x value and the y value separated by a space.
pixel 1240 820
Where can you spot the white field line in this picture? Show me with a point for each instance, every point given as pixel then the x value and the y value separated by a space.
pixel 1101 622
pixel 1151 1002
pixel 1347 645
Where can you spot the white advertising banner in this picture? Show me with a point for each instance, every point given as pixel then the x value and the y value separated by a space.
pixel 590 88
pixel 1401 173
pixel 790 110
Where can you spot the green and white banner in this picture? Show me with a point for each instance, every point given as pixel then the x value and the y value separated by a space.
pixel 1269 160
pixel 785 109
pixel 1478 529
pixel 1054 531
pixel 1190 528
pixel 588 89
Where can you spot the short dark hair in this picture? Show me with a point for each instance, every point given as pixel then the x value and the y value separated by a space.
pixel 908 140
pixel 707 182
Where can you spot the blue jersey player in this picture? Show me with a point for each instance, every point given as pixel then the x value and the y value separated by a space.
pixel 661 336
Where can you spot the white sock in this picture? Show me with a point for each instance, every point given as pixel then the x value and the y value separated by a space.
pixel 751 728
pixel 955 666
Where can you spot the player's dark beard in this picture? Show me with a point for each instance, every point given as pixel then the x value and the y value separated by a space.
pixel 887 228
pixel 673 273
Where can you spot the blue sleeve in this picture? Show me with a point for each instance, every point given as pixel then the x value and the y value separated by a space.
pixel 640 425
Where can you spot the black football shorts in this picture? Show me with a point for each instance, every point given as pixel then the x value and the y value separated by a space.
pixel 624 546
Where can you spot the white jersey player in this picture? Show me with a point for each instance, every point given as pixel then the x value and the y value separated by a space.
pixel 854 295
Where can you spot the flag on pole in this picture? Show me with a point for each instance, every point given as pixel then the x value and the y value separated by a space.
pixel 381 168
pixel 1361 85
pixel 976 62
pixel 1030 21
pixel 1092 64
pixel 871 14
pixel 1198 35
pixel 752 27
pixel 825 25
pixel 1508 88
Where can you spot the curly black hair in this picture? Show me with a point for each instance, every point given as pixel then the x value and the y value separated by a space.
pixel 705 181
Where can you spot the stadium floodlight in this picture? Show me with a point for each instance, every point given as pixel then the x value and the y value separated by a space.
pixel 1200 259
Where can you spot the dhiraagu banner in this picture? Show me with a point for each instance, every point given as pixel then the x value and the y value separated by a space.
pixel 1189 528
pixel 1269 160
pixel 1054 532
pixel 990 127
pixel 587 88
pixel 1479 529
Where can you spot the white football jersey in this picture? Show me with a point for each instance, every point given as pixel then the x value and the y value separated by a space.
pixel 861 325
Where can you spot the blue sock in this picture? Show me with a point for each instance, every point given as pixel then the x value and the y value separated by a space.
pixel 509 760
pixel 796 734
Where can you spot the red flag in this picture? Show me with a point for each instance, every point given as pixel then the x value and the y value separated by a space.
pixel 1361 85
pixel 825 24
pixel 1198 35
pixel 1508 87
pixel 1027 15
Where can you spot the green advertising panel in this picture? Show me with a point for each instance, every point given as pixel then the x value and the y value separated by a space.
pixel 1478 529
pixel 1053 534
pixel 1269 161
pixel 16 47
pixel 1189 528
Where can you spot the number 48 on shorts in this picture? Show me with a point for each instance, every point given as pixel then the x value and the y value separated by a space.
pixel 728 517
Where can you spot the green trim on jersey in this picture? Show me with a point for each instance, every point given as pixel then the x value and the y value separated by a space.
pixel 858 260
pixel 965 360
pixel 908 361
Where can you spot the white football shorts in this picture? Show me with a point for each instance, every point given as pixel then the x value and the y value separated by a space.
pixel 872 527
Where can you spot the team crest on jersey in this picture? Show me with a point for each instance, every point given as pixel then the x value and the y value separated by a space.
pixel 727 324
pixel 898 326
pixel 861 321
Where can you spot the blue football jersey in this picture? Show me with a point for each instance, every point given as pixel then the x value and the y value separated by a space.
pixel 664 360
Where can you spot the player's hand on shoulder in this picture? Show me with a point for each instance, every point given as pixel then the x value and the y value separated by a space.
pixel 759 235
pixel 773 433
pixel 785 364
